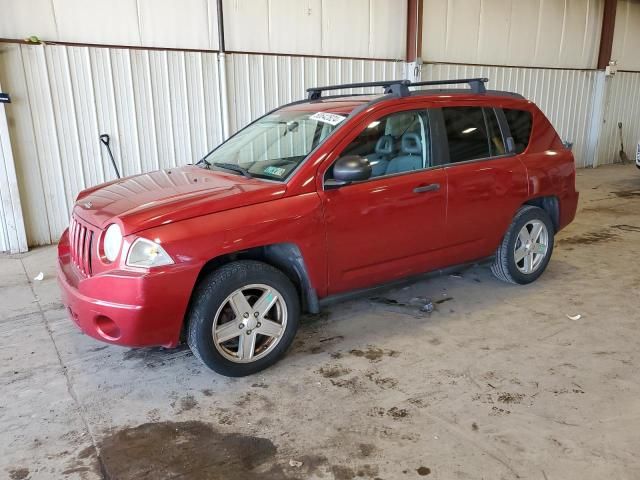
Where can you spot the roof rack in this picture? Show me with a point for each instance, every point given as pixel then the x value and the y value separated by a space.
pixel 400 88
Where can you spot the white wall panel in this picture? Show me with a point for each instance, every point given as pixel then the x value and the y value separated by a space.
pixel 12 234
pixel 259 83
pixel 354 28
pixel 543 33
pixel 159 107
pixel 626 38
pixel 565 96
pixel 622 105
pixel 186 24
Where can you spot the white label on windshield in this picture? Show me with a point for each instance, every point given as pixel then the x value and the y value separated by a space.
pixel 330 118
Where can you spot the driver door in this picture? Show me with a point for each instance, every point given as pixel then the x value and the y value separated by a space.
pixel 393 224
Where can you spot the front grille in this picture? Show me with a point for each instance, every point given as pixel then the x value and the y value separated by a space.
pixel 81 238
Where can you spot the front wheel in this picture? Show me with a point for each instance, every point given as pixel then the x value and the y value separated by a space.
pixel 526 248
pixel 243 318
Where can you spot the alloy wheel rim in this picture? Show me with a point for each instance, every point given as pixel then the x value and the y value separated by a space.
pixel 249 323
pixel 531 247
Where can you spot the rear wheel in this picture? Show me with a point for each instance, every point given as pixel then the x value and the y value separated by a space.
pixel 526 248
pixel 243 318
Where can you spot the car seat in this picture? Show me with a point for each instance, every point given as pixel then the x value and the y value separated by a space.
pixel 410 157
pixel 380 159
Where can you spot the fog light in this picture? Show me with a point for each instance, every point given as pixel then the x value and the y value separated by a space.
pixel 107 328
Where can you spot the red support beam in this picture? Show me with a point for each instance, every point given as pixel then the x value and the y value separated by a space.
pixel 414 30
pixel 606 37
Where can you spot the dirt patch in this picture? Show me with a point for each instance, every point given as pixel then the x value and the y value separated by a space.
pixel 197 451
pixel 333 371
pixel 589 238
pixel 185 404
pixel 155 357
pixel 382 382
pixel 627 228
pixel 341 472
pixel 374 354
pixel 321 345
pixel 627 193
pixel 350 383
pixel 366 449
pixel 397 413
pixel 506 397
pixel 18 473
pixel 498 412
pixel 191 450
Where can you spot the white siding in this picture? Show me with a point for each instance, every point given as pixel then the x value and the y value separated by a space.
pixel 541 33
pixel 259 83
pixel 186 24
pixel 622 105
pixel 159 107
pixel 354 28
pixel 626 39
pixel 12 234
pixel 565 96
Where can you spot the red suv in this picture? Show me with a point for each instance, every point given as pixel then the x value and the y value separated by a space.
pixel 317 198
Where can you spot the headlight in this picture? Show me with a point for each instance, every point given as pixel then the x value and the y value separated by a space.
pixel 112 242
pixel 145 253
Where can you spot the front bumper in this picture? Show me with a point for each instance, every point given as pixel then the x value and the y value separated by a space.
pixel 130 308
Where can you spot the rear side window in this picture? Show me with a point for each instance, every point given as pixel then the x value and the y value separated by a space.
pixel 520 125
pixel 473 133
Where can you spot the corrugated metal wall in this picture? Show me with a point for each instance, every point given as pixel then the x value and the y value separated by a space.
pixel 12 234
pixel 622 105
pixel 565 96
pixel 541 33
pixel 259 83
pixel 161 109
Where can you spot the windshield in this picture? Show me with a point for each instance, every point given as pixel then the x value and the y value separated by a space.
pixel 275 145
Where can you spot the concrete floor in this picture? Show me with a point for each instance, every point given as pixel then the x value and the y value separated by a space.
pixel 496 383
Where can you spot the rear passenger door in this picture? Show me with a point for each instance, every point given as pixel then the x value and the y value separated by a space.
pixel 487 181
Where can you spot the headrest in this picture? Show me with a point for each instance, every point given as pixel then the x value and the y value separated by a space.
pixel 384 145
pixel 411 144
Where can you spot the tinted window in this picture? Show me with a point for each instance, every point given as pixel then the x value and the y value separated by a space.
pixel 520 125
pixel 393 144
pixel 467 133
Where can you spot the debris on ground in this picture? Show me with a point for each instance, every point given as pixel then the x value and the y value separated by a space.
pixel 39 277
pixel 427 307
pixel 574 317
pixel 295 463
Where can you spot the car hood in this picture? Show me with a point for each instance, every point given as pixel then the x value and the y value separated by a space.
pixel 167 196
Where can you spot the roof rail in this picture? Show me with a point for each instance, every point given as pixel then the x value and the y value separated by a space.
pixel 399 88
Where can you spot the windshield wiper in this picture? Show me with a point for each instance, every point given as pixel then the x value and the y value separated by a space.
pixel 203 160
pixel 234 168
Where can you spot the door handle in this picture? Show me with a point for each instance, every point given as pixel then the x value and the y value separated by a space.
pixel 434 187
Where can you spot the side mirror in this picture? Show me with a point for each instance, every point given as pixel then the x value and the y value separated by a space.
pixel 352 168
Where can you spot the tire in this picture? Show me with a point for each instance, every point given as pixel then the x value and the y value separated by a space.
pixel 218 300
pixel 506 266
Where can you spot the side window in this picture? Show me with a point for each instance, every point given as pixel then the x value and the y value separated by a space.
pixel 520 125
pixel 466 133
pixel 393 144
pixel 473 133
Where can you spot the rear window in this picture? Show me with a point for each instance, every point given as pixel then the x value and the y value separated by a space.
pixel 520 125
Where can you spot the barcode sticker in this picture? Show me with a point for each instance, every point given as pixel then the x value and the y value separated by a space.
pixel 330 118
